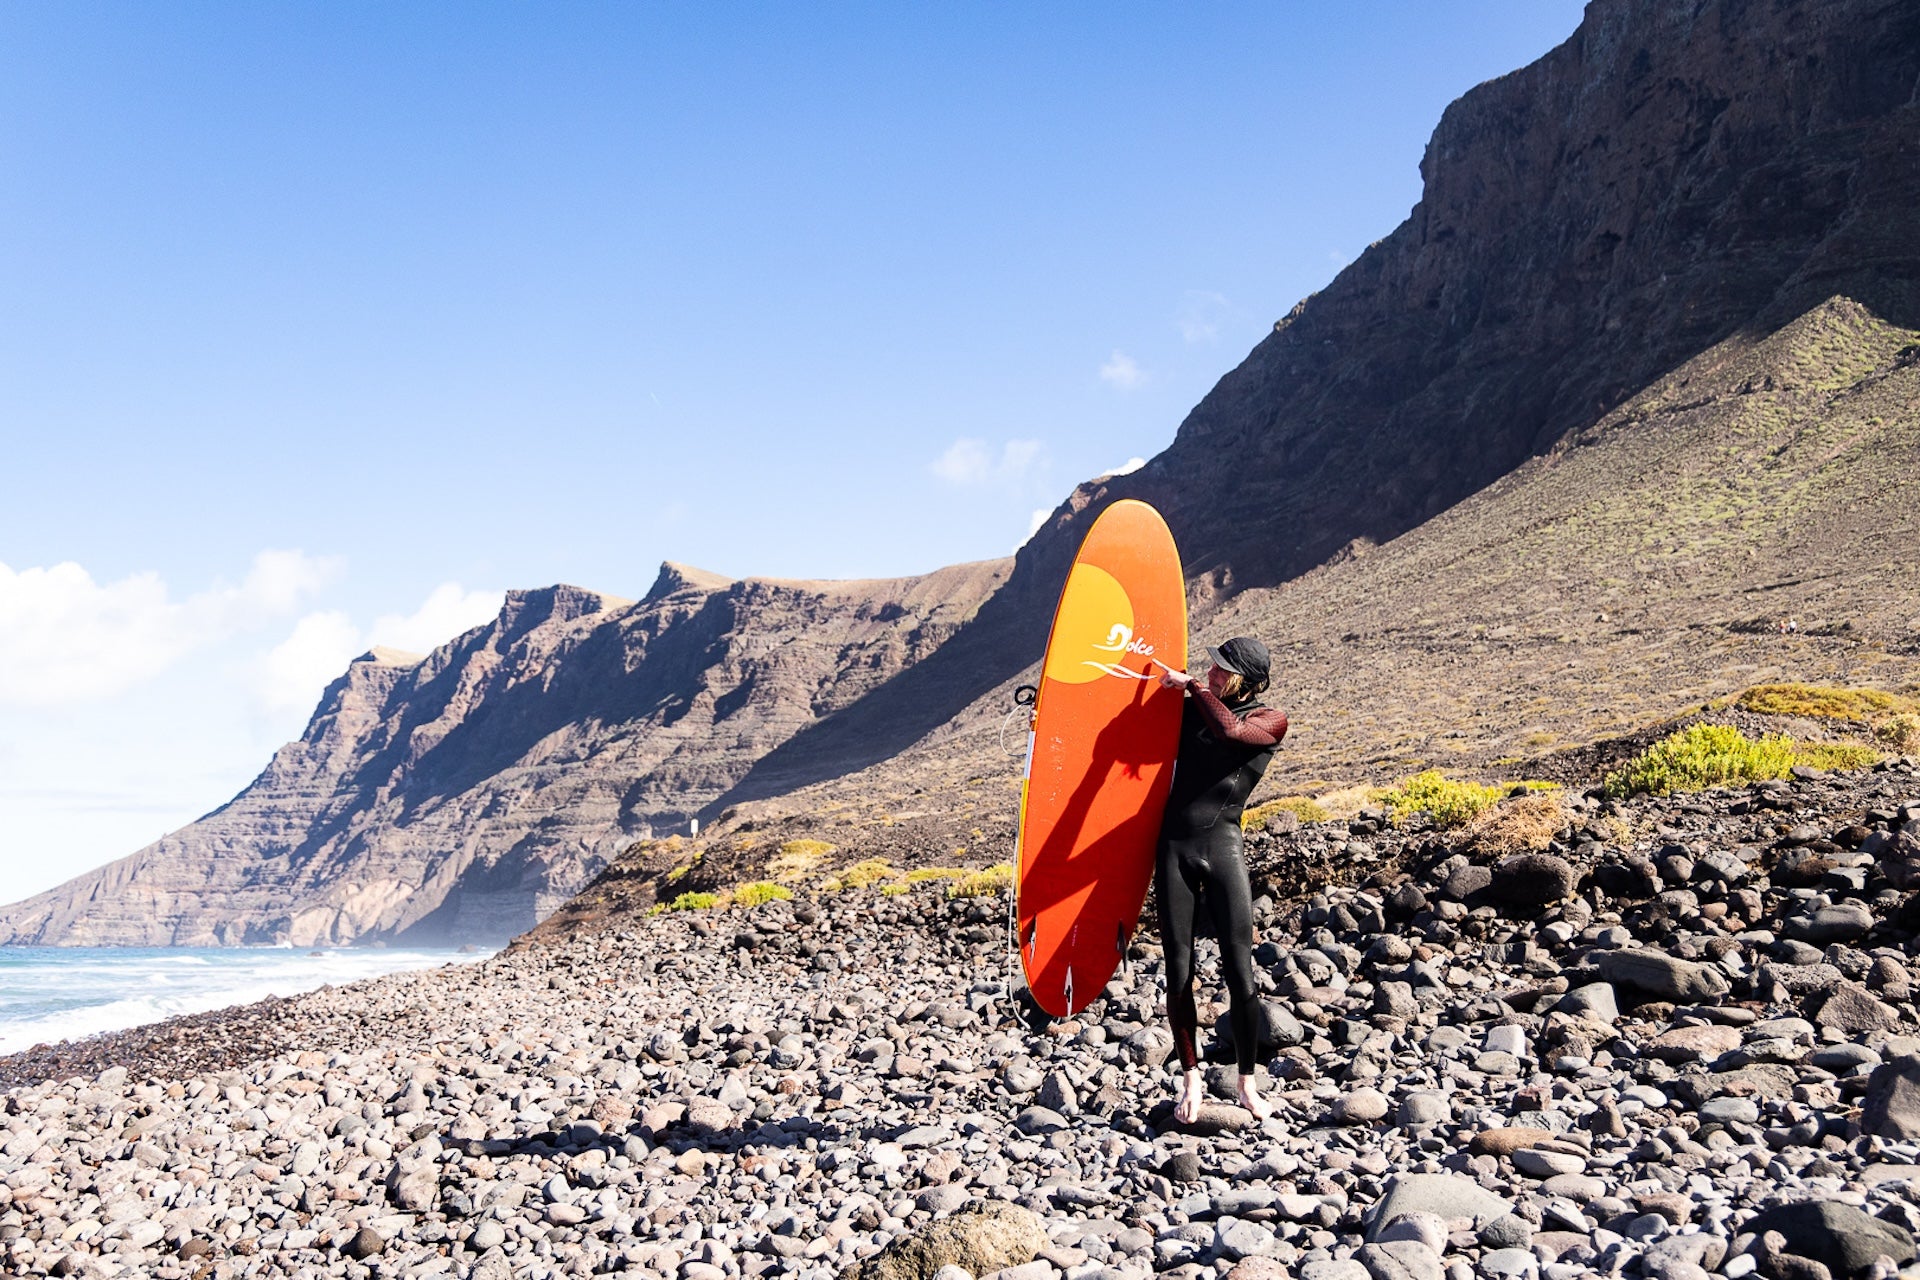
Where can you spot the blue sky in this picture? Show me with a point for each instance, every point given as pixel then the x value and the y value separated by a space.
pixel 327 323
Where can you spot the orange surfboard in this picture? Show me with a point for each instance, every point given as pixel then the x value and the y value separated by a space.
pixel 1100 759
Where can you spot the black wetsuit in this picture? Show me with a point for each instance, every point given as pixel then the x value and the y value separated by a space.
pixel 1223 752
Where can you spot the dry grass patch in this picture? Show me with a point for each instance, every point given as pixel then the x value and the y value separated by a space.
pixel 1825 702
pixel 1301 807
pixel 1347 802
pixel 797 858
pixel 1900 732
pixel 991 882
pixel 1892 718
pixel 1526 822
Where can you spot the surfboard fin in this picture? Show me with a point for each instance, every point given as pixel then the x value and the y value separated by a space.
pixel 1069 990
pixel 1120 945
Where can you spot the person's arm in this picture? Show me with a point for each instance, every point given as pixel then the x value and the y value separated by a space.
pixel 1260 728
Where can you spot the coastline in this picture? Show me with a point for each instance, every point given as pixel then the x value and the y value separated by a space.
pixel 186 1045
pixel 52 997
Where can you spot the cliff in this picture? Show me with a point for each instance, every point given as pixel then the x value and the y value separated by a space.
pixel 460 796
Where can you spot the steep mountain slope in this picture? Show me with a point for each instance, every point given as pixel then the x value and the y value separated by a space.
pixel 460 796
pixel 1646 565
pixel 1676 173
pixel 1642 568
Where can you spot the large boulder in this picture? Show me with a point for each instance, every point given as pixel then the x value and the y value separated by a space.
pixel 1529 881
pixel 1631 876
pixel 1401 1260
pixel 1891 1107
pixel 1692 1044
pixel 1662 976
pixel 1445 1195
pixel 1852 1010
pixel 995 1236
pixel 1839 1236
pixel 1842 922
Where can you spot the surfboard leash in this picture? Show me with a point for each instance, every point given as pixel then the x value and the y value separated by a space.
pixel 1023 700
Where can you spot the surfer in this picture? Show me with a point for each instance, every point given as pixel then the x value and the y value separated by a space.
pixel 1226 740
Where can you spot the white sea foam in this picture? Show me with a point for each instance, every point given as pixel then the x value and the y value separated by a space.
pixel 49 994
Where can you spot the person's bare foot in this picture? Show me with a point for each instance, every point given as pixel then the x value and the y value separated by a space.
pixel 1250 1098
pixel 1186 1109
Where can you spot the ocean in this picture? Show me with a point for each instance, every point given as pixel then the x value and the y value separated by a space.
pixel 49 994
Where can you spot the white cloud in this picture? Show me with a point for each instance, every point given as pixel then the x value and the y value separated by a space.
pixel 1122 371
pixel 280 580
pixel 966 461
pixel 1126 468
pixel 1019 458
pixel 447 612
pixel 1201 314
pixel 969 462
pixel 294 673
pixel 65 638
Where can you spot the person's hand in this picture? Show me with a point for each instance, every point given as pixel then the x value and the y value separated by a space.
pixel 1175 679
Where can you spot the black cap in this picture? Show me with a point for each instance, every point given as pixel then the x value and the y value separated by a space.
pixel 1244 656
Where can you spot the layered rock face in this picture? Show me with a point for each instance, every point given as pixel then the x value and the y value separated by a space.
pixel 460 796
pixel 1674 174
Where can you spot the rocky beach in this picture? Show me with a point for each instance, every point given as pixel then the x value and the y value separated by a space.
pixel 1616 426
pixel 1680 1039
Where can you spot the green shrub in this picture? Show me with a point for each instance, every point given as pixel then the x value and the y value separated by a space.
pixel 1834 755
pixel 991 882
pixel 921 875
pixel 1701 756
pixel 759 892
pixel 694 902
pixel 1713 755
pixel 1449 802
pixel 862 874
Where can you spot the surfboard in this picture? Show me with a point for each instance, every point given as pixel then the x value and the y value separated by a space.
pixel 1100 757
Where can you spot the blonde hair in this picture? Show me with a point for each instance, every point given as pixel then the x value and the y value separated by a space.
pixel 1235 689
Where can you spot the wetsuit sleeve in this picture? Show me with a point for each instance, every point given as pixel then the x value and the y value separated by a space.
pixel 1261 728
